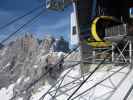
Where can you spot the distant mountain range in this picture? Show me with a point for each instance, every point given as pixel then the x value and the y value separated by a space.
pixel 25 59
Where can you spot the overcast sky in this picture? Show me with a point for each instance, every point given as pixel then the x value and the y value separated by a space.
pixel 51 22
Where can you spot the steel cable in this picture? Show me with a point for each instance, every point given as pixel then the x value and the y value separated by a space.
pixel 98 66
pixel 22 26
pixel 36 81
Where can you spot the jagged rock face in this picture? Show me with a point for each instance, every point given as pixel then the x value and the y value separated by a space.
pixel 61 45
pixel 47 42
pixel 23 61
pixel 54 66
pixel 19 50
pixel 29 45
pixel 13 58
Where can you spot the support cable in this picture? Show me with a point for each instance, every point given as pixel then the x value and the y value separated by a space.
pixel 36 81
pixel 60 83
pixel 59 86
pixel 78 85
pixel 45 95
pixel 99 83
pixel 21 17
pixel 74 86
pixel 22 26
pixel 98 66
pixel 128 93
pixel 72 66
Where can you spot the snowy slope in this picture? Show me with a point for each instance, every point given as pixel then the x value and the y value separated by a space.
pixel 101 92
pixel 22 65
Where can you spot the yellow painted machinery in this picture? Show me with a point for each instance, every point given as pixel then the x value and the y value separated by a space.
pixel 99 33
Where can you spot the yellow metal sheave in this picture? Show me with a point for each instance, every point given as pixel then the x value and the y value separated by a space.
pixel 98 41
pixel 94 27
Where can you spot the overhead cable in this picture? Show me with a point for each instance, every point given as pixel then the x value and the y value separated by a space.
pixel 98 66
pixel 20 17
pixel 37 80
pixel 22 26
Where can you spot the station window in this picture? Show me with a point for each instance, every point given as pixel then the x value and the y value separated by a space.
pixel 74 30
pixel 131 12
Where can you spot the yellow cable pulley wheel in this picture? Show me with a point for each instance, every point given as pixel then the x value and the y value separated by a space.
pixel 94 28
pixel 98 41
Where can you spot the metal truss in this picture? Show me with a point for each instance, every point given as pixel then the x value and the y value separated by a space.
pixel 102 85
pixel 110 85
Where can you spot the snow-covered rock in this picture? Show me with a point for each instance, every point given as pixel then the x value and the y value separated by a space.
pixel 23 61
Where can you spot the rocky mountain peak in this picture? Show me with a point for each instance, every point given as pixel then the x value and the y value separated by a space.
pixel 24 60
